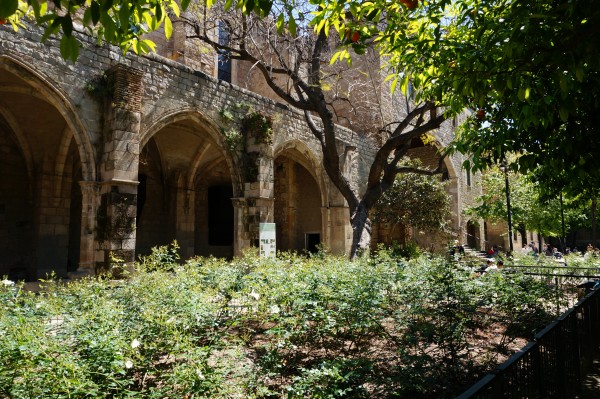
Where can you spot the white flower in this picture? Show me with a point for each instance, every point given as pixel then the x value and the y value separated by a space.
pixel 8 283
pixel 274 309
pixel 200 375
pixel 254 295
pixel 128 364
pixel 135 343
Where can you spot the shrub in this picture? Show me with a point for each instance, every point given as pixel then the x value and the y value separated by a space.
pixel 290 326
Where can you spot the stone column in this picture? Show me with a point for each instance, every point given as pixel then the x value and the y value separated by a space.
pixel 258 189
pixel 119 172
pixel 340 230
pixel 90 191
pixel 241 236
pixel 186 219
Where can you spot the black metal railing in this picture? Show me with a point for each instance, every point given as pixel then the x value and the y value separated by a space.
pixel 554 364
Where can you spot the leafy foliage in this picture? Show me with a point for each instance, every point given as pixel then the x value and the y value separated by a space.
pixel 527 70
pixel 529 208
pixel 117 22
pixel 256 328
pixel 414 200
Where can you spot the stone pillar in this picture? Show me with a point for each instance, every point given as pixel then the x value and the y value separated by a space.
pixel 241 236
pixel 186 219
pixel 90 191
pixel 258 189
pixel 119 172
pixel 340 230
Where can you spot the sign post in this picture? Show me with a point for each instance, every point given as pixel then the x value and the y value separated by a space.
pixel 266 239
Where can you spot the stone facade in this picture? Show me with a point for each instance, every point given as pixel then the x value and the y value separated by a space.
pixel 114 154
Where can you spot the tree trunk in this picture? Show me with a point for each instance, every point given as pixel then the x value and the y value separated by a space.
pixel 361 231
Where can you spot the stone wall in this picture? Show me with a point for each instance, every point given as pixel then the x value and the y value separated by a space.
pixel 129 137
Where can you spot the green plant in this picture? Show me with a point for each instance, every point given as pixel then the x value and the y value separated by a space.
pixel 289 326
pixel 163 258
pixel 259 126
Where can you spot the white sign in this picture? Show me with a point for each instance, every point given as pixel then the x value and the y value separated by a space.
pixel 266 239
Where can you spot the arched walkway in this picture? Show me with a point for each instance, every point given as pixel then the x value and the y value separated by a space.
pixel 430 156
pixel 185 188
pixel 42 161
pixel 298 206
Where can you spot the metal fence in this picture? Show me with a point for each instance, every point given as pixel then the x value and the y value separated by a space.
pixel 554 364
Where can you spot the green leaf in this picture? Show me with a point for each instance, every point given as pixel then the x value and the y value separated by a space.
pixel 168 27
pixel 265 7
pixel 292 26
pixel 95 12
pixel 175 8
pixel 564 113
pixel 52 29
pixel 69 48
pixel 8 8
pixel 280 23
pixel 394 83
pixel 158 13
pixel 248 6
pixel 185 4
pixel 67 25
pixel 335 57
pixel 124 15
pixel 155 22
pixel 107 5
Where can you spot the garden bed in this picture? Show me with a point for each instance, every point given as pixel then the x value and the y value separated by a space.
pixel 290 327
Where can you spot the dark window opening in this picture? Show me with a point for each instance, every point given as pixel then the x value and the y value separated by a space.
pixel 220 215
pixel 468 177
pixel 312 242
pixel 223 56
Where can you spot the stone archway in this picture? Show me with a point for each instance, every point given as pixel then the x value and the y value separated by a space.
pixel 43 160
pixel 298 212
pixel 430 157
pixel 185 189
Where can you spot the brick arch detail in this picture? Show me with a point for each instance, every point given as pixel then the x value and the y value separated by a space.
pixel 44 88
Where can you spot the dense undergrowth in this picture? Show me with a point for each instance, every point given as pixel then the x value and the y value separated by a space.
pixel 290 327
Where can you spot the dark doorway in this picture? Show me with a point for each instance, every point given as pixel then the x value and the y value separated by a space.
pixel 220 215
pixel 312 242
pixel 472 235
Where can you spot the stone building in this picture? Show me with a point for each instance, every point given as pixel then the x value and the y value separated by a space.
pixel 117 153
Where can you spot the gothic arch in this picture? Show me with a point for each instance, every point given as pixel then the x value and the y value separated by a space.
pixel 42 87
pixel 21 140
pixel 301 153
pixel 300 198
pixel 209 127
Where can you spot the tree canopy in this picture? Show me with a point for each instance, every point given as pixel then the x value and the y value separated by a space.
pixel 528 70
pixel 116 22
pixel 530 209
pixel 414 200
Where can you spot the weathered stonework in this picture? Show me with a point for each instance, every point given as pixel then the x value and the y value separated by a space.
pixel 117 153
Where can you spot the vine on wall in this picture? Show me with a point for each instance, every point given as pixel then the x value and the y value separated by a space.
pixel 243 124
